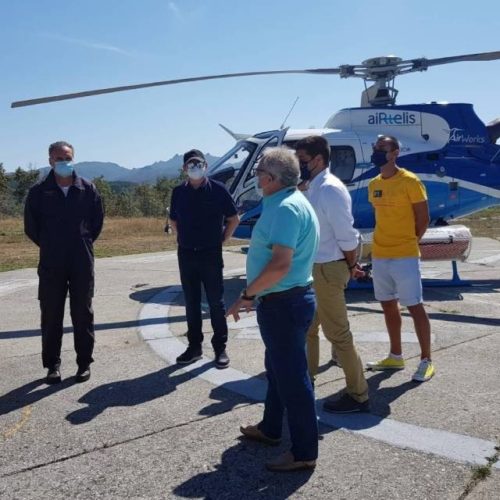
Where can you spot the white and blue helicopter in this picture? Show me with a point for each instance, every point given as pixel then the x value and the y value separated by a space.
pixel 447 145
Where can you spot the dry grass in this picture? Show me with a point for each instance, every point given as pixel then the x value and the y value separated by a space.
pixel 485 223
pixel 120 236
pixel 125 236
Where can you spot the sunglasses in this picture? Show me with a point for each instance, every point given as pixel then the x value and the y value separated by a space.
pixel 195 164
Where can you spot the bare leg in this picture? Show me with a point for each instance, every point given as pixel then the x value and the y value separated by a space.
pixel 392 317
pixel 422 329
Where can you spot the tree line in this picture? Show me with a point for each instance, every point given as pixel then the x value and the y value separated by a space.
pixel 121 199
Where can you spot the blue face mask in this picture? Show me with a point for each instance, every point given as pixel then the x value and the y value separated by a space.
pixel 305 173
pixel 379 158
pixel 64 168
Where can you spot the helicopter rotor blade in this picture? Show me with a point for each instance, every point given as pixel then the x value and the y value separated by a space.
pixel 76 95
pixel 424 63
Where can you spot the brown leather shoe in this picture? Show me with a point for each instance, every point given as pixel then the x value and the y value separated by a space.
pixel 287 463
pixel 255 434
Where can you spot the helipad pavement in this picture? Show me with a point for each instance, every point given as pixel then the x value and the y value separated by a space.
pixel 144 428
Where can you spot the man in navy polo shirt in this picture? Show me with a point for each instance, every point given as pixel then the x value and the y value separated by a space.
pixel 204 215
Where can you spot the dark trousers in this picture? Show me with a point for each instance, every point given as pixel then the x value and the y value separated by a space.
pixel 54 285
pixel 203 267
pixel 283 323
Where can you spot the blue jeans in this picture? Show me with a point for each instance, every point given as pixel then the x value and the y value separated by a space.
pixel 283 323
pixel 197 268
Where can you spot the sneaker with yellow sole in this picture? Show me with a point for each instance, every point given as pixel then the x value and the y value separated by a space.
pixel 425 371
pixel 386 364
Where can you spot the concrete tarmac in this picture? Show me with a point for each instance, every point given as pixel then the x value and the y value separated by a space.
pixel 143 427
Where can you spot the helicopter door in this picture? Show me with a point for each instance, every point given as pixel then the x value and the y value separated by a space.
pixel 244 194
pixel 345 158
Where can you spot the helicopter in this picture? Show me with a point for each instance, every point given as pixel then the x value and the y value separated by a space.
pixel 446 144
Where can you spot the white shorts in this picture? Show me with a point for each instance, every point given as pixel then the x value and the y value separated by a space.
pixel 397 279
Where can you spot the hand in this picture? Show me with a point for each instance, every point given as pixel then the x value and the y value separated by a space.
pixel 357 272
pixel 239 305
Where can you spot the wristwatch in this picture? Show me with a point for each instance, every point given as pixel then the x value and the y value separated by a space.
pixel 244 295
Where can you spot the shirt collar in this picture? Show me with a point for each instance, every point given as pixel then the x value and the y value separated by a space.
pixel 77 180
pixel 318 180
pixel 278 196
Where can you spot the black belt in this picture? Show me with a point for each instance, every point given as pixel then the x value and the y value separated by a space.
pixel 285 293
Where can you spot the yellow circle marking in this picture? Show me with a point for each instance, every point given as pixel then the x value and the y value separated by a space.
pixel 25 415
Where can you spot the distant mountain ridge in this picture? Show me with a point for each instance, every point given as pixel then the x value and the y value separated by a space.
pixel 142 175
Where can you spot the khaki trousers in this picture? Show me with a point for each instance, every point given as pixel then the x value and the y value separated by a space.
pixel 330 281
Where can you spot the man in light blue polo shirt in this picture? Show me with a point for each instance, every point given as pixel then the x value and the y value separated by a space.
pixel 279 276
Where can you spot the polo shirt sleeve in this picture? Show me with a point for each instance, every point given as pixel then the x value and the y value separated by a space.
pixel 173 205
pixel 285 228
pixel 416 191
pixel 228 205
pixel 370 191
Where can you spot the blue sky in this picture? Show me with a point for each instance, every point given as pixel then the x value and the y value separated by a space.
pixel 59 46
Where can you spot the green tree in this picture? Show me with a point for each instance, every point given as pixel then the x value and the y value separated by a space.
pixel 4 184
pixel 107 195
pixel 23 180
pixel 7 204
pixel 125 205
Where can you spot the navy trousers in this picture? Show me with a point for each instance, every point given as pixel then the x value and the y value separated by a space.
pixel 53 288
pixel 283 323
pixel 197 268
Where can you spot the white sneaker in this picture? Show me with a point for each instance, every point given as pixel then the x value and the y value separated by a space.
pixel 425 371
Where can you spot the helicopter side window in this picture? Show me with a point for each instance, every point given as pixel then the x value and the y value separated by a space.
pixel 228 169
pixel 247 200
pixel 251 174
pixel 342 162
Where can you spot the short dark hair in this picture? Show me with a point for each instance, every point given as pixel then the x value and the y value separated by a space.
pixel 315 145
pixel 389 138
pixel 193 153
pixel 59 145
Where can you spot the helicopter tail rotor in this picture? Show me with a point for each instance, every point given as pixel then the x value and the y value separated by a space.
pixel 493 129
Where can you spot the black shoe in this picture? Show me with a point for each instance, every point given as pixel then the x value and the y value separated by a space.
pixel 53 376
pixel 190 355
pixel 83 374
pixel 221 360
pixel 346 404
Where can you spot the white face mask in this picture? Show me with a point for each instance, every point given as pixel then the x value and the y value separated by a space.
pixel 257 188
pixel 196 173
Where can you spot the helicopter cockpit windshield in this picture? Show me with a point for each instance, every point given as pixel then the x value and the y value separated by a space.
pixel 230 167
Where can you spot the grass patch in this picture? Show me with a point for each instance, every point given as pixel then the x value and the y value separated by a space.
pixel 120 236
pixel 126 236
pixel 480 473
pixel 484 223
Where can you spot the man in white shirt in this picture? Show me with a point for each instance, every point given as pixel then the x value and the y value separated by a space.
pixel 335 263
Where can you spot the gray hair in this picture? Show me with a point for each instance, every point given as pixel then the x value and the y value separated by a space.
pixel 282 163
pixel 59 145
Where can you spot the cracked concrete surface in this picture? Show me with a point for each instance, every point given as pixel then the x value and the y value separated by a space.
pixel 141 428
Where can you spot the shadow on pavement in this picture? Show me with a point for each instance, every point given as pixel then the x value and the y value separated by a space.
pixel 113 325
pixel 241 474
pixel 131 392
pixel 27 394
pixel 381 398
pixel 231 394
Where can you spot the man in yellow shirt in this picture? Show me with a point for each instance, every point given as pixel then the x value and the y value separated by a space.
pixel 401 218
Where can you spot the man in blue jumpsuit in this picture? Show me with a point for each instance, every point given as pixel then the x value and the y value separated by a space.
pixel 63 216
